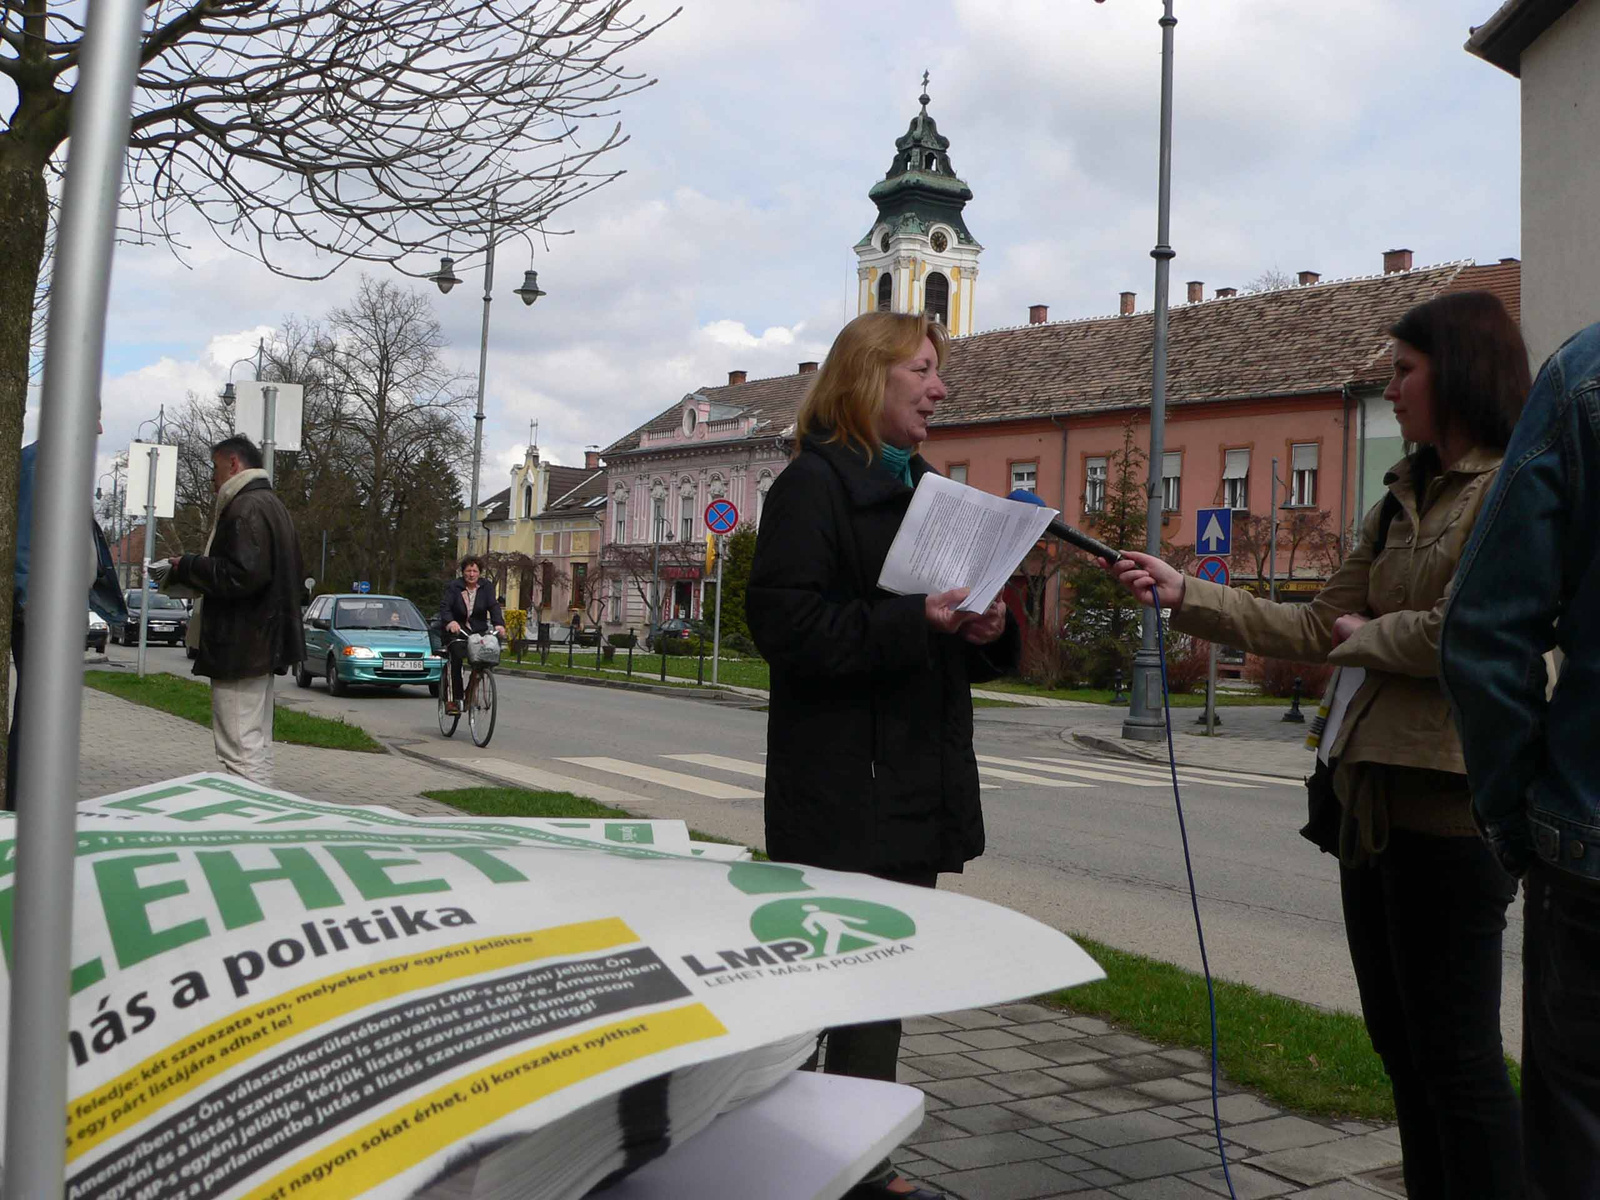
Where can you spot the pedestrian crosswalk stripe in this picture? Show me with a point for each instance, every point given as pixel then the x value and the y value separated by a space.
pixel 1082 772
pixel 1196 774
pixel 737 765
pixel 1151 776
pixel 1036 780
pixel 710 788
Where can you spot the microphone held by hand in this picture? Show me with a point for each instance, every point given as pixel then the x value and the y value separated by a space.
pixel 1068 534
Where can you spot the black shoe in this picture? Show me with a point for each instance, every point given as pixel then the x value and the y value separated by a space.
pixel 880 1190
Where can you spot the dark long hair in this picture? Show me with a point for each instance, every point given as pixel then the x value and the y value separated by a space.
pixel 1480 364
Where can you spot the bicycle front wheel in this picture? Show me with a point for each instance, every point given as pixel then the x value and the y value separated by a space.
pixel 483 710
pixel 447 723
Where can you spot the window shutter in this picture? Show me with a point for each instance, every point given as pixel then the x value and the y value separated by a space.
pixel 1304 458
pixel 1236 464
pixel 1171 465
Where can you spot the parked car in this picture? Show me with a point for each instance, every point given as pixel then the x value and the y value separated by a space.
pixel 355 639
pixel 99 633
pixel 678 627
pixel 169 620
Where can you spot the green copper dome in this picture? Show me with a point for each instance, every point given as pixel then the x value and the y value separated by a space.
pixel 921 187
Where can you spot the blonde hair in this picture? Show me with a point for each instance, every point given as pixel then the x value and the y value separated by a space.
pixel 845 400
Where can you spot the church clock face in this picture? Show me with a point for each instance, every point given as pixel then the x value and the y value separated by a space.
pixel 939 242
pixel 883 243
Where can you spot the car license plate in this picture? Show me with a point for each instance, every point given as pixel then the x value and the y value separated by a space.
pixel 163 626
pixel 403 664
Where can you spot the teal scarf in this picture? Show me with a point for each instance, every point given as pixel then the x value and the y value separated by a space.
pixel 897 462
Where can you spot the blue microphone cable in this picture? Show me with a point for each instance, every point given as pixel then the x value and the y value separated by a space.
pixel 1194 899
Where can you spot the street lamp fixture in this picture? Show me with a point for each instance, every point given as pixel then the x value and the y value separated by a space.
pixel 529 291
pixel 446 276
pixel 229 394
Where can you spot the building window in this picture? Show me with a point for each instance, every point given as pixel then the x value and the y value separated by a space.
pixel 580 576
pixel 1025 475
pixel 686 519
pixel 763 486
pixel 1094 485
pixel 1303 477
pixel 659 527
pixel 527 502
pixel 1236 479
pixel 956 472
pixel 1171 482
pixel 621 534
pixel 547 580
pixel 885 287
pixel 936 298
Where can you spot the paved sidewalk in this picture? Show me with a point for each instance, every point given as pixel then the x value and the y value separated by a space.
pixel 1024 1103
pixel 1252 739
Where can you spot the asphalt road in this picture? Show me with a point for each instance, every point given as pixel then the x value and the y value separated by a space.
pixel 1084 842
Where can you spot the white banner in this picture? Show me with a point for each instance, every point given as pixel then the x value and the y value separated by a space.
pixel 277 997
pixel 138 493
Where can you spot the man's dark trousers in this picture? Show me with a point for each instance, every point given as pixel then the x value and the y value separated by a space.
pixel 1561 1035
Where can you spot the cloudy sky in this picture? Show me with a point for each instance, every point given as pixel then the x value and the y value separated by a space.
pixel 1307 135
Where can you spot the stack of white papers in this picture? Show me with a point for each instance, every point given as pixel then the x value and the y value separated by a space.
pixel 955 536
pixel 276 996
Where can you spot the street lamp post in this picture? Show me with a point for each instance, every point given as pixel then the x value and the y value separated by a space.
pixel 445 279
pixel 153 459
pixel 1146 719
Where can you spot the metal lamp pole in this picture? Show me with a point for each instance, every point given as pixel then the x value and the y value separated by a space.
pixel 1146 720
pixel 47 763
pixel 153 459
pixel 445 279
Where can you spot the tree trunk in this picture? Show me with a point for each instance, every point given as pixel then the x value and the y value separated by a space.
pixel 24 222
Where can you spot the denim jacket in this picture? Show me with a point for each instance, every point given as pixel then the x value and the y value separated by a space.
pixel 105 596
pixel 1530 580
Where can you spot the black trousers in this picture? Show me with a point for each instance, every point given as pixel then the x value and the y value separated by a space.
pixel 872 1050
pixel 1561 1036
pixel 457 649
pixel 1425 922
pixel 18 635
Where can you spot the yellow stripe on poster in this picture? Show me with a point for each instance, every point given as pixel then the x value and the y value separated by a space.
pixel 406 1136
pixel 199 1058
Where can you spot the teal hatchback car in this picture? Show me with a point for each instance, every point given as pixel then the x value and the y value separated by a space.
pixel 376 640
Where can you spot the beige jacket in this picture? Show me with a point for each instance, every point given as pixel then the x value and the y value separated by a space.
pixel 1400 715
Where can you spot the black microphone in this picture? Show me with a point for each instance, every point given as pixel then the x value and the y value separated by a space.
pixel 1060 529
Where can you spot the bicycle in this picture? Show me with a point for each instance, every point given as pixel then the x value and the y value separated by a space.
pixel 480 704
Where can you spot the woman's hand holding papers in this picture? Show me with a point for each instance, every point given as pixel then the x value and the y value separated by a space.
pixel 942 611
pixel 988 626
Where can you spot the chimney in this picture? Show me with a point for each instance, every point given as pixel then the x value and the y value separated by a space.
pixel 735 377
pixel 1307 278
pixel 591 458
pixel 1038 314
pixel 1197 291
pixel 1224 293
pixel 1396 260
pixel 807 368
pixel 1127 303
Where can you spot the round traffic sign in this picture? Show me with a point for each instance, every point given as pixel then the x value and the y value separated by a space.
pixel 721 516
pixel 1213 568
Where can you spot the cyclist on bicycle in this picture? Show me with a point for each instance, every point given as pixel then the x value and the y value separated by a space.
pixel 467 608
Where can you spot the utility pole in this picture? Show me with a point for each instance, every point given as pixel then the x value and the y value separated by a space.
pixel 1146 719
pixel 153 459
pixel 1272 540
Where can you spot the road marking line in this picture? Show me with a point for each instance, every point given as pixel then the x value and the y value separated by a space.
pixel 693 784
pixel 737 765
pixel 1036 780
pixel 1185 774
pixel 1103 776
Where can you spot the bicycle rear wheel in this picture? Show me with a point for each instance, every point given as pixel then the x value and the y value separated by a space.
pixel 447 723
pixel 483 710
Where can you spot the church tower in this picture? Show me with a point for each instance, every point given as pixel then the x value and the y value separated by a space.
pixel 919 256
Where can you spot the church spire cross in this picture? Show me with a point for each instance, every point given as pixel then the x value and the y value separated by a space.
pixel 924 97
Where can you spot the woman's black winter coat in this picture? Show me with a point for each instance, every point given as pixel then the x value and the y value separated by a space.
pixel 869 733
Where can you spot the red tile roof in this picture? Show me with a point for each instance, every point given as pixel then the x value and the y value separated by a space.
pixel 1286 342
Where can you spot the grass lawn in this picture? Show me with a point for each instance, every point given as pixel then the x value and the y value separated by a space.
pixel 521 802
pixel 1291 1053
pixel 1103 696
pixel 191 700
pixel 741 672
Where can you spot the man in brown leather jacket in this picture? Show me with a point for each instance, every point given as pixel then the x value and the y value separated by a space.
pixel 246 625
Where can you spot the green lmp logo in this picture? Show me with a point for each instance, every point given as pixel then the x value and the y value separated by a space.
pixel 831 926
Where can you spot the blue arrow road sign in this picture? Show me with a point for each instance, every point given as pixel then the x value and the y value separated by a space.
pixel 362 586
pixel 1213 529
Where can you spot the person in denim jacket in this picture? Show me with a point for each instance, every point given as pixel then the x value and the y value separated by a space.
pixel 1424 898
pixel 1529 581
